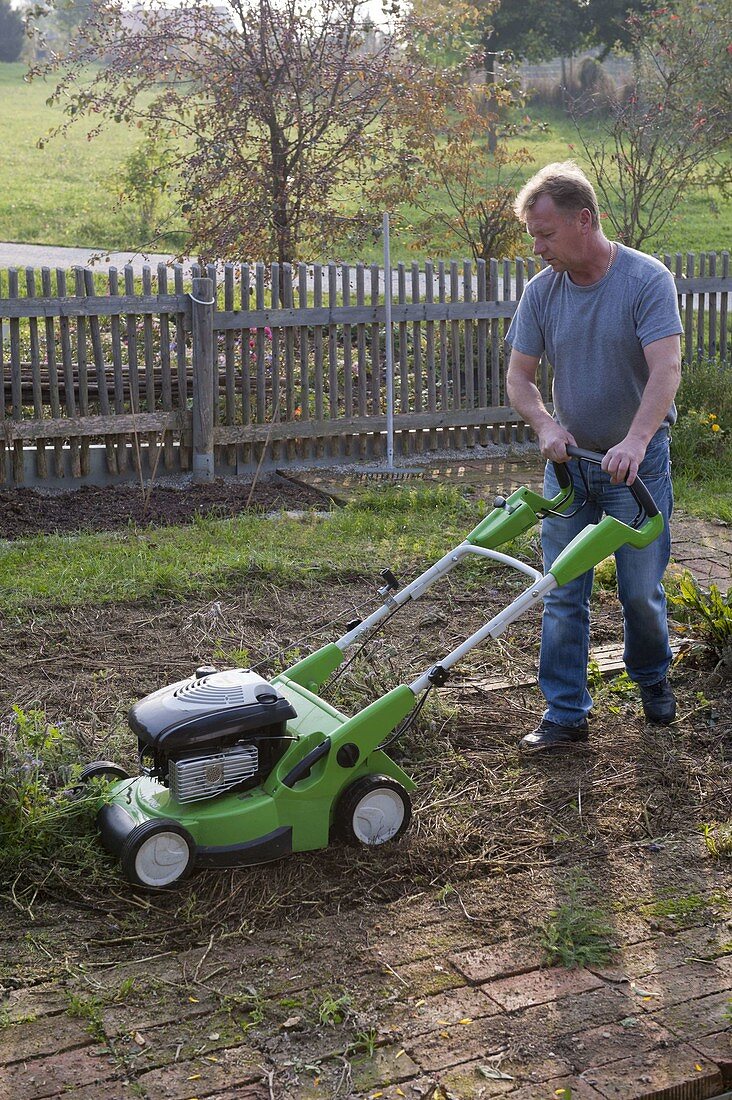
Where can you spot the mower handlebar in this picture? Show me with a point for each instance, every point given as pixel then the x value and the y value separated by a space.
pixel 638 489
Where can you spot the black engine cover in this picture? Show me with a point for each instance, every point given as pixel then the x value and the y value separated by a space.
pixel 209 713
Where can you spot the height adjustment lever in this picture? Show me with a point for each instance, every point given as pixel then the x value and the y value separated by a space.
pixel 391 584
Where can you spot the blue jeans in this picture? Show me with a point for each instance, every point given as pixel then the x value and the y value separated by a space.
pixel 565 633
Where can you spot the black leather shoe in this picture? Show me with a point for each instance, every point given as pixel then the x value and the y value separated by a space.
pixel 659 704
pixel 551 735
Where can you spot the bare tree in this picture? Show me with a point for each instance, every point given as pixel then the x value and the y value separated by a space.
pixel 282 111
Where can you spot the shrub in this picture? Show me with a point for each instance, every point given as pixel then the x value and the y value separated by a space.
pixel 700 440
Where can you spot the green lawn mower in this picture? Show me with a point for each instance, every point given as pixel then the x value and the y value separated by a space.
pixel 236 769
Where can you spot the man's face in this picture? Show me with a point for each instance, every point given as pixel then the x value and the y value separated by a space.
pixel 559 235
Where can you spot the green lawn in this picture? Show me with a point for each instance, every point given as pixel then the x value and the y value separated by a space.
pixel 68 192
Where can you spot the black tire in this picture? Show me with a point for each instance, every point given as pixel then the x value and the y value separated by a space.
pixel 372 811
pixel 157 854
pixel 102 769
pixel 98 769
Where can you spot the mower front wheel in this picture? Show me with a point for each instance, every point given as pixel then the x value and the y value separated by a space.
pixel 373 811
pixel 157 854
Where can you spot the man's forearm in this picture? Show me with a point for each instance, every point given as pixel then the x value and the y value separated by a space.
pixel 657 399
pixel 526 399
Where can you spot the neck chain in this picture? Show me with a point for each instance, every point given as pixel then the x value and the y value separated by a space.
pixel 610 259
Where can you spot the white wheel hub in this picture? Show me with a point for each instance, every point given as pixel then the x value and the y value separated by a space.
pixel 161 859
pixel 378 816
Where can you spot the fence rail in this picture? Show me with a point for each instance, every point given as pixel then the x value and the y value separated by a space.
pixel 110 376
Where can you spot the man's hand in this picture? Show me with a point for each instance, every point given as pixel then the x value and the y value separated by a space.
pixel 622 460
pixel 554 440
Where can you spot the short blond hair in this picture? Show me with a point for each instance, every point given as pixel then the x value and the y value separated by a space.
pixel 565 183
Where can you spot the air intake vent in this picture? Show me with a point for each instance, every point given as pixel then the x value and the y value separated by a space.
pixel 234 688
pixel 206 776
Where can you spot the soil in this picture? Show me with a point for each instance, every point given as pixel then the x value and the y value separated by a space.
pixel 26 512
pixel 231 958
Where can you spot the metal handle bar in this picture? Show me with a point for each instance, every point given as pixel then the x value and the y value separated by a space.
pixel 638 489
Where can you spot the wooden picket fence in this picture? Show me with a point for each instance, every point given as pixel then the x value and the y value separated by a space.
pixel 113 376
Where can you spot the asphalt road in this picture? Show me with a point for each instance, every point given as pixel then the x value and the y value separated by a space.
pixel 40 255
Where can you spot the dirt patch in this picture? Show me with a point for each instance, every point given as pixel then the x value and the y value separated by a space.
pixel 26 512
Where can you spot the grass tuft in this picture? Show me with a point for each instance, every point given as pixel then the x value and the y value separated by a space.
pixel 577 933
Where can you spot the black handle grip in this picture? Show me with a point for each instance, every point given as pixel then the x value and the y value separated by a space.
pixel 637 489
pixel 302 770
pixel 562 474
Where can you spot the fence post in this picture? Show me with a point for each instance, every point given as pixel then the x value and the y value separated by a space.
pixel 202 312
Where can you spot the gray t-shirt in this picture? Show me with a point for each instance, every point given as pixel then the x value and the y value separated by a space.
pixel 594 337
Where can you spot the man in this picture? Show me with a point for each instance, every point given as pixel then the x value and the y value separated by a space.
pixel 607 318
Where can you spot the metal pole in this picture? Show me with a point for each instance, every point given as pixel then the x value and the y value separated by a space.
pixel 202 310
pixel 389 350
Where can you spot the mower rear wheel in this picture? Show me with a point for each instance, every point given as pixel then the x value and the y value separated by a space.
pixel 157 853
pixel 373 811
pixel 102 769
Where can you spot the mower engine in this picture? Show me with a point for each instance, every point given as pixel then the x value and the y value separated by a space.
pixel 215 732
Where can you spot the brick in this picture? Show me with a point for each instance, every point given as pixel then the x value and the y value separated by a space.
pixel 430 976
pixel 33 1003
pixel 126 1019
pixel 430 1013
pixel 413 946
pixel 180 1041
pixel 499 961
pixel 539 987
pixel 417 1088
pixel 680 1073
pixel 114 1089
pixel 56 1074
pixel 611 1042
pixel 40 1037
pixel 450 1046
pixel 664 953
pixel 692 1019
pixel 559 1088
pixel 574 1014
pixel 718 1049
pixel 248 1092
pixel 683 983
pixel 467 1082
pixel 388 1065
pixel 234 1068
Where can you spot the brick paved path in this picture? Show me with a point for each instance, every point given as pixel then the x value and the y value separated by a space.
pixel 458 1017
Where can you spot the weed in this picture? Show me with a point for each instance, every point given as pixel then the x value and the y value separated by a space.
pixel 705 615
pixel 606 575
pixel 595 678
pixel 364 1043
pixel 126 989
pixel 6 1020
pixel 577 934
pixel 334 1010
pixel 718 839
pixel 38 821
pixel 246 1010
pixel 90 1009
